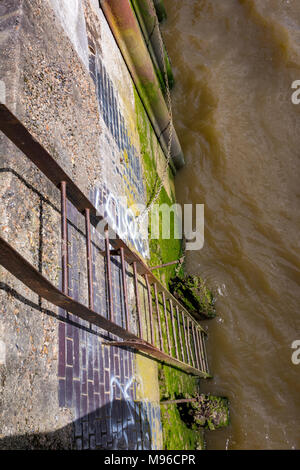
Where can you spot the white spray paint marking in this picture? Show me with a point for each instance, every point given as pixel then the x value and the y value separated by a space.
pixel 122 220
pixel 133 412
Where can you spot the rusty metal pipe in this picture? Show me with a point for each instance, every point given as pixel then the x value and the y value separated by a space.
pixel 185 339
pixel 205 353
pixel 165 264
pixel 126 30
pixel 201 349
pixel 202 365
pixel 158 318
pixel 189 342
pixel 196 347
pixel 148 20
pixel 137 298
pixel 174 329
pixel 150 308
pixel 167 323
pixel 124 282
pixel 179 332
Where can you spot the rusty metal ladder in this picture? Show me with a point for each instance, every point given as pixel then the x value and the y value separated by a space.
pixel 185 345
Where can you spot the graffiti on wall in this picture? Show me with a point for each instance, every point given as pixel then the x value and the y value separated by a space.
pixel 113 117
pixel 140 419
pixel 122 220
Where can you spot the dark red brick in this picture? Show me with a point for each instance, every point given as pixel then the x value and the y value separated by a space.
pixel 62 313
pixel 70 327
pixel 101 374
pixel 78 443
pixel 92 442
pixel 83 333
pixel 102 395
pixel 96 381
pixel 100 356
pixel 112 361
pixel 117 392
pixel 130 364
pixel 96 355
pixel 104 444
pixel 98 434
pixel 69 386
pixel 104 427
pixel 117 366
pixel 106 357
pixel 84 382
pixel 90 361
pixel 122 374
pixel 62 349
pixel 97 404
pixel 92 421
pixel 85 435
pixel 69 352
pixel 107 381
pixel 76 349
pixel 76 395
pixel 126 369
pixel 84 405
pixel 62 393
pixel 83 357
pixel 77 428
pixel 91 401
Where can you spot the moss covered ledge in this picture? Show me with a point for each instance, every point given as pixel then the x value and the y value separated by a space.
pixel 194 294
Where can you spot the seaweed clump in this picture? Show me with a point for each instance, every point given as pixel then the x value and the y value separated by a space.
pixel 194 294
pixel 207 411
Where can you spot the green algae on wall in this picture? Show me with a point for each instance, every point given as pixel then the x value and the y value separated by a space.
pixel 160 10
pixel 173 383
pixel 176 434
pixel 160 58
pixel 153 159
pixel 202 410
pixel 194 294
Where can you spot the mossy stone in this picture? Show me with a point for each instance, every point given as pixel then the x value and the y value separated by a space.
pixel 194 294
pixel 208 411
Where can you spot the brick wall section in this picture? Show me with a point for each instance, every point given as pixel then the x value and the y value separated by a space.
pixel 96 381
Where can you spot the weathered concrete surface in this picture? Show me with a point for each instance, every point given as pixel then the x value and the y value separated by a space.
pixel 58 383
pixel 71 16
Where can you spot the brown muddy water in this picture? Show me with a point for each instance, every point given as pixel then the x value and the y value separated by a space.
pixel 234 63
